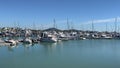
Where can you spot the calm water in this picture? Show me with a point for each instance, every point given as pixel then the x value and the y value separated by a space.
pixel 67 54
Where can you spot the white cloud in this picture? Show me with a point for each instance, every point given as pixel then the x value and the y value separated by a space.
pixel 110 20
pixel 62 24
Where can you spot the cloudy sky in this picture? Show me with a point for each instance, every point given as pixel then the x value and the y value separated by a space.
pixel 80 13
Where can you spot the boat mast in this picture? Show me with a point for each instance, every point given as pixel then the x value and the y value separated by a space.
pixel 72 25
pixel 115 24
pixel 54 25
pixel 106 27
pixel 18 24
pixel 92 26
pixel 68 24
pixel 14 24
pixel 118 29
pixel 34 26
pixel 41 27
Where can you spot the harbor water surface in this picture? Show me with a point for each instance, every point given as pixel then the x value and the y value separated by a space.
pixel 65 54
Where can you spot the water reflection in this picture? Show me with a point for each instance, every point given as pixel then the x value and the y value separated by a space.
pixel 50 45
pixel 27 45
pixel 52 49
pixel 11 48
pixel 49 48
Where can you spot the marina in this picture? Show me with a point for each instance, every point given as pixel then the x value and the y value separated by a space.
pixel 14 36
pixel 56 49
pixel 59 34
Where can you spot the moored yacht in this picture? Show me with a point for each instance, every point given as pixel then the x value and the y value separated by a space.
pixel 11 41
pixel 45 37
pixel 27 41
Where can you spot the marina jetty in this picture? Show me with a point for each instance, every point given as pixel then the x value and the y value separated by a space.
pixel 13 36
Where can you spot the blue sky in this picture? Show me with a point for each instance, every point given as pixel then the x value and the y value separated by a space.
pixel 42 13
